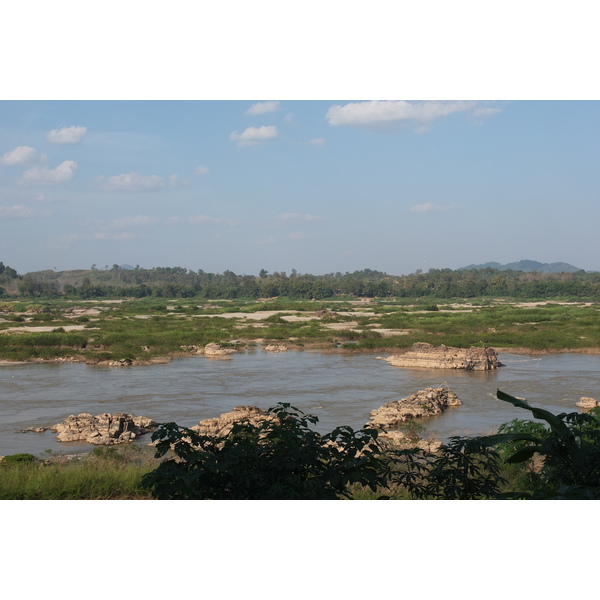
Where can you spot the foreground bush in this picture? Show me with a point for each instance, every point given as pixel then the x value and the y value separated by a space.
pixel 279 459
pixel 283 459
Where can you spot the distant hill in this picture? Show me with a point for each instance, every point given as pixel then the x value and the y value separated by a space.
pixel 527 266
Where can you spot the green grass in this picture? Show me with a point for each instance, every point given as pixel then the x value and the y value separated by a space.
pixel 104 474
pixel 116 333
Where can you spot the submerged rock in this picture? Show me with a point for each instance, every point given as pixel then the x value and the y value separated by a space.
pixel 426 355
pixel 104 429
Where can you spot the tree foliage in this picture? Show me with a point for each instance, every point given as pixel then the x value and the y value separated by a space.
pixel 278 459
pixel 284 459
pixel 570 450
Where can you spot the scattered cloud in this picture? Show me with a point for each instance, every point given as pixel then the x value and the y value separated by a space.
pixel 255 135
pixel 133 182
pixel 18 211
pixel 22 155
pixel 317 142
pixel 123 223
pixel 200 220
pixel 268 240
pixel 261 108
pixel 298 217
pixel 201 170
pixel 45 176
pixel 176 182
pixel 66 135
pixel 394 114
pixel 486 112
pixel 298 235
pixel 97 236
pixel 430 207
pixel 145 221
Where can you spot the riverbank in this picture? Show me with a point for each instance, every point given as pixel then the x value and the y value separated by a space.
pixel 146 332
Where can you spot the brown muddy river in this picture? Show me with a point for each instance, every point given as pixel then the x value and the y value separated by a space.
pixel 338 389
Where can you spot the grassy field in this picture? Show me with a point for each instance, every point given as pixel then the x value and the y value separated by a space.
pixel 106 473
pixel 146 330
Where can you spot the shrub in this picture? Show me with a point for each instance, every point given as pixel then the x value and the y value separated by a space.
pixel 570 452
pixel 23 457
pixel 279 459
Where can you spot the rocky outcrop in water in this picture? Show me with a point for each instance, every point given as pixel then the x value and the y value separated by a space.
pixel 425 403
pixel 587 403
pixel 222 425
pixel 426 355
pixel 104 429
pixel 275 348
pixel 212 349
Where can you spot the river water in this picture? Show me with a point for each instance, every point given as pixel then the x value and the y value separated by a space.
pixel 339 389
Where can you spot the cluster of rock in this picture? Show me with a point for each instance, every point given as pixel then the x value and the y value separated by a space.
pixel 587 403
pixel 212 349
pixel 104 429
pixel 426 355
pixel 222 425
pixel 425 403
pixel 275 348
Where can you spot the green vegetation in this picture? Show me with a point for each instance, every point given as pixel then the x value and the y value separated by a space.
pixel 280 459
pixel 178 282
pixel 145 329
pixel 283 458
pixel 104 474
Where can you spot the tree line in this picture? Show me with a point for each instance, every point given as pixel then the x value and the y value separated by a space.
pixel 179 282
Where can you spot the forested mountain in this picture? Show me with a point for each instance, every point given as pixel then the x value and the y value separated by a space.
pixel 526 266
pixel 179 282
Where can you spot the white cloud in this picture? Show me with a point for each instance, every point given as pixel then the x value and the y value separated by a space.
pixel 201 170
pixel 127 222
pixel 298 235
pixel 133 182
pixel 392 114
pixel 261 108
pixel 486 112
pixel 22 155
pixel 66 135
pixel 45 176
pixel 298 217
pixel 95 237
pixel 317 142
pixel 18 211
pixel 255 135
pixel 200 220
pixel 429 207
pixel 176 182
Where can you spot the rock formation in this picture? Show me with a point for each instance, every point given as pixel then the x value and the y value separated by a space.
pixel 212 349
pixel 587 403
pixel 103 429
pixel 425 403
pixel 275 348
pixel 222 425
pixel 425 355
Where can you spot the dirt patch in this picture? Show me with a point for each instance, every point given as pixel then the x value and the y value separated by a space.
pixel 43 329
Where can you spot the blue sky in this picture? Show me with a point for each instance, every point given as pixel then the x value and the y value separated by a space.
pixel 318 186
